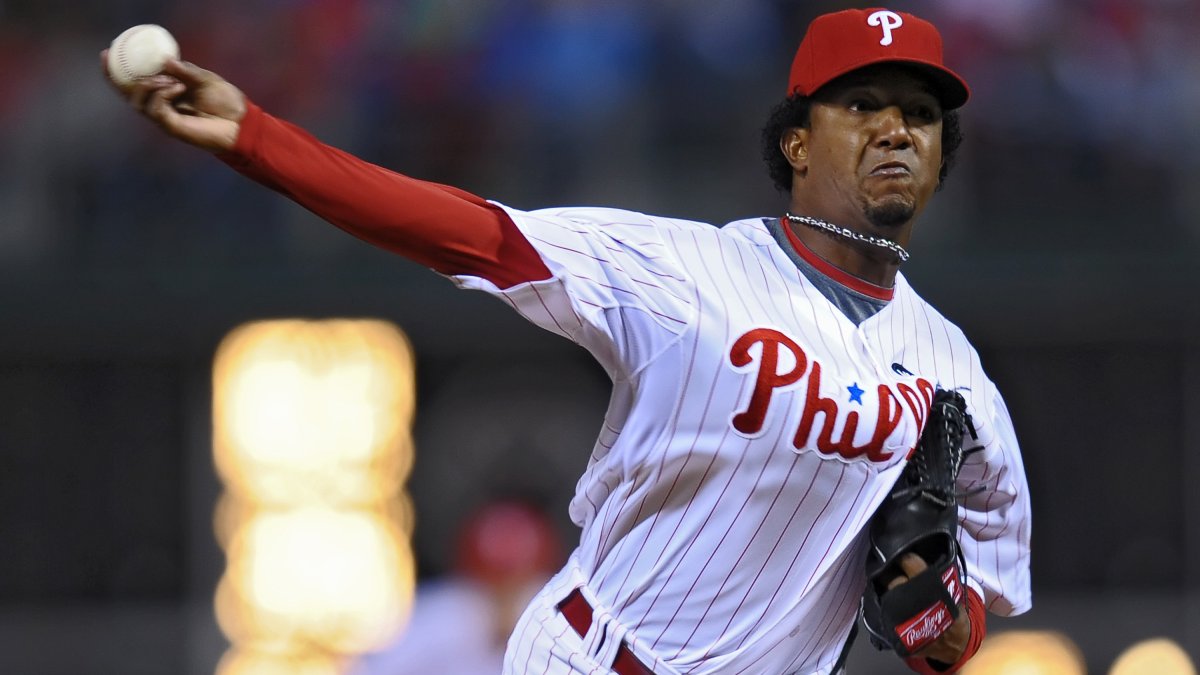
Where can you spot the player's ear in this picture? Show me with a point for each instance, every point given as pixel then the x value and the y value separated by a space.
pixel 794 146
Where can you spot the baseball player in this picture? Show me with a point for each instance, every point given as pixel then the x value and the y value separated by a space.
pixel 770 377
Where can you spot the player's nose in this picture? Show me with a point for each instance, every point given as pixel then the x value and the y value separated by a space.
pixel 891 128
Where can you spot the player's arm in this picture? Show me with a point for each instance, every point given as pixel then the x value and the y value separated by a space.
pixel 450 230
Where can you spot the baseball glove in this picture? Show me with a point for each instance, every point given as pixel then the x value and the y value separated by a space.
pixel 920 516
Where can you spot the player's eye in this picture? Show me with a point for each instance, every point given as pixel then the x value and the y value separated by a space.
pixel 860 105
pixel 925 113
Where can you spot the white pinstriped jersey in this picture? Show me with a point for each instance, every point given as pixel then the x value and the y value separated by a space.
pixel 752 431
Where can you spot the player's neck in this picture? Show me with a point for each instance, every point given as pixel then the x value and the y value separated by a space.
pixel 870 263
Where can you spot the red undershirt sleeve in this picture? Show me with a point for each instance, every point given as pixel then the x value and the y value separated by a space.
pixel 447 229
pixel 978 614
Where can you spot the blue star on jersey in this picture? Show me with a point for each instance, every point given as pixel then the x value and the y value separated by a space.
pixel 855 393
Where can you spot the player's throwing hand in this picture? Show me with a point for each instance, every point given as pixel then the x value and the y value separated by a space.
pixel 195 105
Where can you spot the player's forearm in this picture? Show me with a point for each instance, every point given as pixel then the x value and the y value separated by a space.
pixel 450 230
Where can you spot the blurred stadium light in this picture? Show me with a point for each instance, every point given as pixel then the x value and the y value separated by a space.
pixel 312 440
pixel 1027 653
pixel 1160 656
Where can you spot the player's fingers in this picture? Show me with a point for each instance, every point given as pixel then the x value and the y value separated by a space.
pixel 173 91
pixel 912 564
pixel 140 92
pixel 154 104
pixel 198 129
pixel 158 108
pixel 189 73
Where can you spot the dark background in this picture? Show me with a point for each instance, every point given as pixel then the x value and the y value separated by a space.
pixel 1063 244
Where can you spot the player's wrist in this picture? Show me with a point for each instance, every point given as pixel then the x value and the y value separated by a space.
pixel 242 136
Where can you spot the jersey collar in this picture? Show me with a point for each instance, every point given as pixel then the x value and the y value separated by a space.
pixel 825 267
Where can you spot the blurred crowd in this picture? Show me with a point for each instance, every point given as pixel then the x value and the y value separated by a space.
pixel 1084 107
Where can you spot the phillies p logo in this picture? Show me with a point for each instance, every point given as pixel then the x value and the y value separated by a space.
pixel 886 20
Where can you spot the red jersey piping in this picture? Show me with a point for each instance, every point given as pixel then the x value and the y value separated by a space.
pixel 842 277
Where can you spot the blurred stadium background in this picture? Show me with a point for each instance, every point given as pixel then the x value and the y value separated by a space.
pixel 1065 244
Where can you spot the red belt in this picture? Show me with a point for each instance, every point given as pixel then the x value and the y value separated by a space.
pixel 579 614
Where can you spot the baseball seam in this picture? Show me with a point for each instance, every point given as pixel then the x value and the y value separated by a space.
pixel 126 70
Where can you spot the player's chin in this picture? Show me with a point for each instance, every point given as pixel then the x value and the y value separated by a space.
pixel 891 211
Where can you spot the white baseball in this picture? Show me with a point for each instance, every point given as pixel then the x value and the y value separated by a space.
pixel 139 52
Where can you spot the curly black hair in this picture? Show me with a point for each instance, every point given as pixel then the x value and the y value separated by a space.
pixel 793 112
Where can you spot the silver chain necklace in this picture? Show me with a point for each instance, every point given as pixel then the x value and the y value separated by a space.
pixel 850 234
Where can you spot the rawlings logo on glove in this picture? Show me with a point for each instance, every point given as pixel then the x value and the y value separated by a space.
pixel 929 625
pixel 925 627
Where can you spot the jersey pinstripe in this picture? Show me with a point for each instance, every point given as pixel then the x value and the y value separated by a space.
pixel 752 431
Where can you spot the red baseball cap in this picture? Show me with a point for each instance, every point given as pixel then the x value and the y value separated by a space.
pixel 840 42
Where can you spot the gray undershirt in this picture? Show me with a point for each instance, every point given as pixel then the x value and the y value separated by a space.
pixel 856 306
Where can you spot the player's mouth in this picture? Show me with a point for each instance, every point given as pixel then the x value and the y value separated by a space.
pixel 891 170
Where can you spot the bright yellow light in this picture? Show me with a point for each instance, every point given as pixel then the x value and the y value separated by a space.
pixel 312 437
pixel 1027 653
pixel 344 576
pixel 1160 656
pixel 259 663
pixel 308 411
